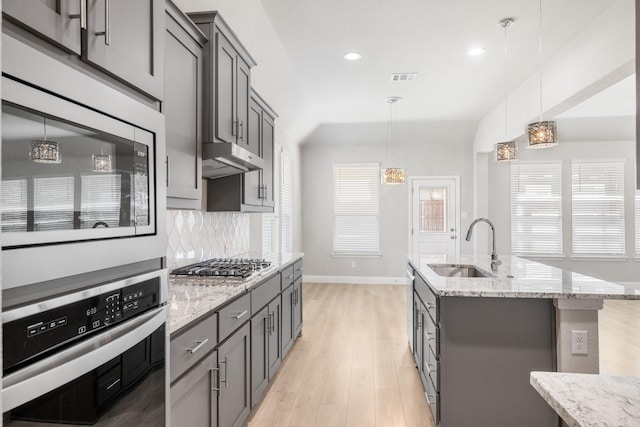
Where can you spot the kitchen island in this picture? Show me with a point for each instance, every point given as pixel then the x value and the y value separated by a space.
pixel 476 339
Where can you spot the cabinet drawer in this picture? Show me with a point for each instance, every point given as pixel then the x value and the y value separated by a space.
pixel 428 297
pixel 287 277
pixel 265 292
pixel 190 346
pixel 297 269
pixel 233 316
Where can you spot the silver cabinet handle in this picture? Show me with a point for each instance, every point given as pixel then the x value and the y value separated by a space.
pixel 431 305
pixel 273 321
pixel 226 383
pixel 198 347
pixel 241 130
pixel 107 23
pixel 234 128
pixel 215 381
pixel 239 315
pixel 110 386
pixel 267 324
pixel 82 15
pixel 430 336
pixel 410 276
pixel 167 164
pixel 431 398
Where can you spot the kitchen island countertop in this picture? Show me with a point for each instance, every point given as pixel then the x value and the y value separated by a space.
pixel 590 400
pixel 193 297
pixel 518 278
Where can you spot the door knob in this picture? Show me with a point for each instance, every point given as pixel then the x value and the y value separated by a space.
pixel 452 237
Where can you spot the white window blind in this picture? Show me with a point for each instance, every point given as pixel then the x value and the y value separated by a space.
pixel 536 208
pixel 637 224
pixel 356 229
pixel 597 190
pixel 286 202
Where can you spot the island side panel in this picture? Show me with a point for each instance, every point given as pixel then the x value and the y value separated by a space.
pixel 489 346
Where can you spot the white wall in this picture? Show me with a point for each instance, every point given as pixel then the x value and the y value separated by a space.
pixel 499 196
pixel 426 149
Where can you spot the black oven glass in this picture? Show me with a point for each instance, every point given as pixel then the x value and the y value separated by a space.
pixel 57 175
pixel 127 391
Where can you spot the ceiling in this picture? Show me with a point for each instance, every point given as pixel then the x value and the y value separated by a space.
pixel 299 46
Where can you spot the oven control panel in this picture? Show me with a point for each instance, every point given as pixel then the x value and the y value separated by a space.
pixel 33 336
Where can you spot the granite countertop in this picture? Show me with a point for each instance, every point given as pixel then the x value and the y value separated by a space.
pixel 587 400
pixel 193 297
pixel 519 278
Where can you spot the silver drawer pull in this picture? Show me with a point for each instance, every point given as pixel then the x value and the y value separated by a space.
pixel 300 269
pixel 430 336
pixel 239 315
pixel 410 276
pixel 290 277
pixel 109 387
pixel 198 347
pixel 430 305
pixel 431 398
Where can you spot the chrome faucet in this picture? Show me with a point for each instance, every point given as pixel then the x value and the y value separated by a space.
pixel 495 262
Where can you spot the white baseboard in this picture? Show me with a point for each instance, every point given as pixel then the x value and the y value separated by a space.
pixel 355 280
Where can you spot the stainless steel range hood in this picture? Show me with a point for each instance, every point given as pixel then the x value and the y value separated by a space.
pixel 223 159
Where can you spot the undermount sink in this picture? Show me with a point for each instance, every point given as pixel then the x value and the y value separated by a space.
pixel 459 270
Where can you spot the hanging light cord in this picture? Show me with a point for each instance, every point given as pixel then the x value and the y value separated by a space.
pixel 540 55
pixel 505 80
pixel 45 128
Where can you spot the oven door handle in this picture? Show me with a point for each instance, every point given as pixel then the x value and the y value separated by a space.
pixel 61 368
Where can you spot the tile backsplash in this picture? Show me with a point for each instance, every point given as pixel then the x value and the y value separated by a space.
pixel 195 235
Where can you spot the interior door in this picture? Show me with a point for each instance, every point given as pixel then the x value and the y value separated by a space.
pixel 435 218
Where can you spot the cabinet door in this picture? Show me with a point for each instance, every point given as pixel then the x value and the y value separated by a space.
pixel 252 192
pixel 287 319
pixel 58 21
pixel 417 332
pixel 273 335
pixel 183 112
pixel 124 38
pixel 297 307
pixel 193 397
pixel 267 155
pixel 243 88
pixel 225 116
pixel 234 360
pixel 259 355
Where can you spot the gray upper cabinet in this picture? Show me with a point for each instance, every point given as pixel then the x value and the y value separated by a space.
pixel 57 21
pixel 251 191
pixel 183 53
pixel 121 37
pixel 124 38
pixel 227 71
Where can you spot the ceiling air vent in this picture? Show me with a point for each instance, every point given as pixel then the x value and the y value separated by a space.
pixel 403 77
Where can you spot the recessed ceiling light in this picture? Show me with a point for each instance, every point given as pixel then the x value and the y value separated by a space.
pixel 476 51
pixel 352 56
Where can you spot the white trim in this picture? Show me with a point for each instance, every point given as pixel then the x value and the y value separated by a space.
pixel 356 280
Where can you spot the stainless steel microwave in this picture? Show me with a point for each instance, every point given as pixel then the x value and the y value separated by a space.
pixel 83 177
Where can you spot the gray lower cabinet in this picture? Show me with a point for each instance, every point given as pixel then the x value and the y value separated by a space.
pixel 182 108
pixel 287 319
pixel 297 307
pixel 123 38
pixel 265 348
pixel 234 357
pixel 194 399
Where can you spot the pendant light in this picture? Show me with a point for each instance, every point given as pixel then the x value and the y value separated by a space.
pixel 101 162
pixel 44 150
pixel 541 134
pixel 393 175
pixel 508 150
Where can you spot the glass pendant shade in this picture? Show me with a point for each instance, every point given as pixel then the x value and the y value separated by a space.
pixel 44 151
pixel 506 151
pixel 101 162
pixel 542 134
pixel 393 176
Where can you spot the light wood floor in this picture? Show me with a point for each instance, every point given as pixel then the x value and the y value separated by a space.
pixel 351 367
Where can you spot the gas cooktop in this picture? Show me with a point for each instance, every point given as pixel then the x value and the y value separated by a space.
pixel 241 268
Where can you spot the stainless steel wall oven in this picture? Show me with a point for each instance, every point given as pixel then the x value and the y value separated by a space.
pixel 95 357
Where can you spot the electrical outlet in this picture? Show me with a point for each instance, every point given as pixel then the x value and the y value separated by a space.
pixel 579 342
pixel 353 264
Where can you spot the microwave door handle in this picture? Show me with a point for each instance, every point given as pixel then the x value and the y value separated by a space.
pixel 52 372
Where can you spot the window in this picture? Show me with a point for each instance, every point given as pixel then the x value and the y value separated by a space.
pixel 597 189
pixel 286 202
pixel 268 234
pixel 356 228
pixel 536 208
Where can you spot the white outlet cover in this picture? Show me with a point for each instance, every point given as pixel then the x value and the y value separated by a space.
pixel 579 342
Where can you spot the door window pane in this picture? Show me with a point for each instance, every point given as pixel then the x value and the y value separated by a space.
pixel 433 209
